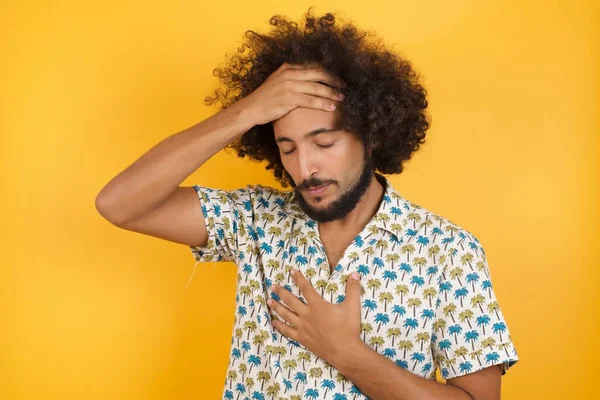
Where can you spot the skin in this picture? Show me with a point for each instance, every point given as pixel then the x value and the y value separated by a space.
pixel 332 331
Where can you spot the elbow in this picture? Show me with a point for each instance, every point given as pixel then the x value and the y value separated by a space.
pixel 108 210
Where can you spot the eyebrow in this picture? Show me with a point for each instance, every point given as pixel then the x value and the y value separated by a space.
pixel 307 135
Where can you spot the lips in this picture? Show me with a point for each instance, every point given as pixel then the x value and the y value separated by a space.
pixel 318 190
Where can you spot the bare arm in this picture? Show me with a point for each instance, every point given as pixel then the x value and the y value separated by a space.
pixel 146 196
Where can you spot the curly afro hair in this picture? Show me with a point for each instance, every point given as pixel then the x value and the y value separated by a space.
pixel 384 103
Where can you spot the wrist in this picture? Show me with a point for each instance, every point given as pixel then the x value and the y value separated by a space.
pixel 345 357
pixel 243 113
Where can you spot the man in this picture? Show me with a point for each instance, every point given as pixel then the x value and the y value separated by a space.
pixel 368 292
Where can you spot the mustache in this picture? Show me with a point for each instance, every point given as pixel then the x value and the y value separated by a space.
pixel 312 183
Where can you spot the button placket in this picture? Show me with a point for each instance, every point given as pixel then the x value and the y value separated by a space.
pixel 323 267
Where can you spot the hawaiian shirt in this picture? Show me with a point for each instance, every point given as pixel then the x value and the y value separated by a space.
pixel 426 292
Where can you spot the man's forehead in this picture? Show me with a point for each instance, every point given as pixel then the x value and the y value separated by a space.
pixel 303 123
pixel 305 135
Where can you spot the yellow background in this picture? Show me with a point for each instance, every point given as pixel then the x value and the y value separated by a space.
pixel 88 311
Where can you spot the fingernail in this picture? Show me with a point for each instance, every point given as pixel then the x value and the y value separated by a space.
pixel 355 275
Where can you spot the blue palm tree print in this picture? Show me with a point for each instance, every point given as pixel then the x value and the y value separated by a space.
pixel 426 295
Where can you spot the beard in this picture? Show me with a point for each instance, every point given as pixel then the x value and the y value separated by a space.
pixel 347 201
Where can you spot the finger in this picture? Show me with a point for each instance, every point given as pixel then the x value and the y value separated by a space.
pixel 291 301
pixel 285 66
pixel 309 292
pixel 301 68
pixel 353 289
pixel 311 64
pixel 316 75
pixel 316 102
pixel 318 89
pixel 283 311
pixel 286 330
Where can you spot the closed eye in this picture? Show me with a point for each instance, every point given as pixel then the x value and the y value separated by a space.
pixel 323 146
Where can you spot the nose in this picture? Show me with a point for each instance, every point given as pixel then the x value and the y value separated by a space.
pixel 307 164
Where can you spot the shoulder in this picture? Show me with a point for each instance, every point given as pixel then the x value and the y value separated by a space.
pixel 267 198
pixel 258 201
pixel 249 192
pixel 432 227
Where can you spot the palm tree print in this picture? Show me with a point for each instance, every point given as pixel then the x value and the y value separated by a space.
pixel 427 300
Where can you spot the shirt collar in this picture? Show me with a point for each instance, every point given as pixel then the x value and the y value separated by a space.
pixel 389 217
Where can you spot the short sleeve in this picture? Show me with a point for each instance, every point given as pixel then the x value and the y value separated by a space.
pixel 470 331
pixel 228 215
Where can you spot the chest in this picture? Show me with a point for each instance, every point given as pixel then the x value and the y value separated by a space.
pixel 335 246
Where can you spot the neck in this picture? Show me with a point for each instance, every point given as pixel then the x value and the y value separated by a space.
pixel 362 213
